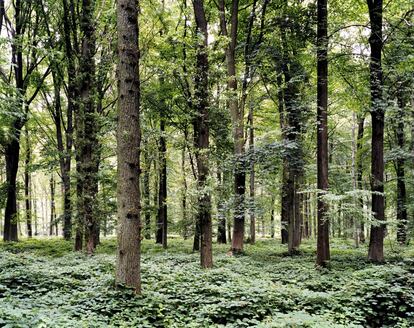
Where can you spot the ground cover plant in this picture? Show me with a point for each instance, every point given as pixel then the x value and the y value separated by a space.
pixel 44 284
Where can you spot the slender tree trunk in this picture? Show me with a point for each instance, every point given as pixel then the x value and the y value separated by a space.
pixel 184 195
pixel 80 225
pixel 252 178
pixel 147 195
pixel 52 206
pixel 360 135
pixel 400 168
pixel 72 95
pixel 322 252
pixel 376 242
pixel 27 186
pixel 221 211
pixel 237 117
pixel 128 141
pixel 162 228
pixel 284 191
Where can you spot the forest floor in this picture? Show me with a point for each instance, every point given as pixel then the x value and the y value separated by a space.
pixel 44 284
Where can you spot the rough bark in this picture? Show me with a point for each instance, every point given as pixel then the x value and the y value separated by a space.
pixel 322 252
pixel 201 132
pixel 88 145
pixel 128 141
pixel 376 242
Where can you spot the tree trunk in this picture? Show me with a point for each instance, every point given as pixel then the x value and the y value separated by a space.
pixel 12 148
pixel 72 95
pixel 252 179
pixel 147 211
pixel 221 211
pixel 89 143
pixel 237 117
pixel 376 242
pixel 27 186
pixel 322 252
pixel 360 135
pixel 400 168
pixel 161 236
pixel 128 142
pixel 184 196
pixel 52 206
pixel 201 132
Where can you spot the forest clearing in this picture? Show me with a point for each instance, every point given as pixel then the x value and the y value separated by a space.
pixel 194 163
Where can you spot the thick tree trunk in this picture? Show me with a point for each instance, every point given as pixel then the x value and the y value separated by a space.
pixel 89 143
pixel 128 142
pixel 376 242
pixel 201 132
pixel 162 223
pixel 322 252
pixel 10 214
pixel 12 148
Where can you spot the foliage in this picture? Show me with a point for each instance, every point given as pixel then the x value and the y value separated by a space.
pixel 44 284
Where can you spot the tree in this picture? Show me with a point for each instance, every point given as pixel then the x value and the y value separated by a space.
pixel 376 241
pixel 128 141
pixel 322 251
pixel 237 116
pixel 201 136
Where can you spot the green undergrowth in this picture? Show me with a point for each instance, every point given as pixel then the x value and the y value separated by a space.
pixel 44 284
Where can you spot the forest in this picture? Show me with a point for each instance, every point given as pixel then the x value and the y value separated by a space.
pixel 206 163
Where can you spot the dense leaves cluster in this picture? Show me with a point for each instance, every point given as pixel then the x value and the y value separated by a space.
pixel 42 284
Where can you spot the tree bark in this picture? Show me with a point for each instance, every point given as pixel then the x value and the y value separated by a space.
pixel 201 132
pixel 128 141
pixel 400 168
pixel 147 211
pixel 322 252
pixel 89 158
pixel 376 242
pixel 72 94
pixel 162 223
pixel 221 211
pixel 237 117
pixel 360 135
pixel 53 222
pixel 27 186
